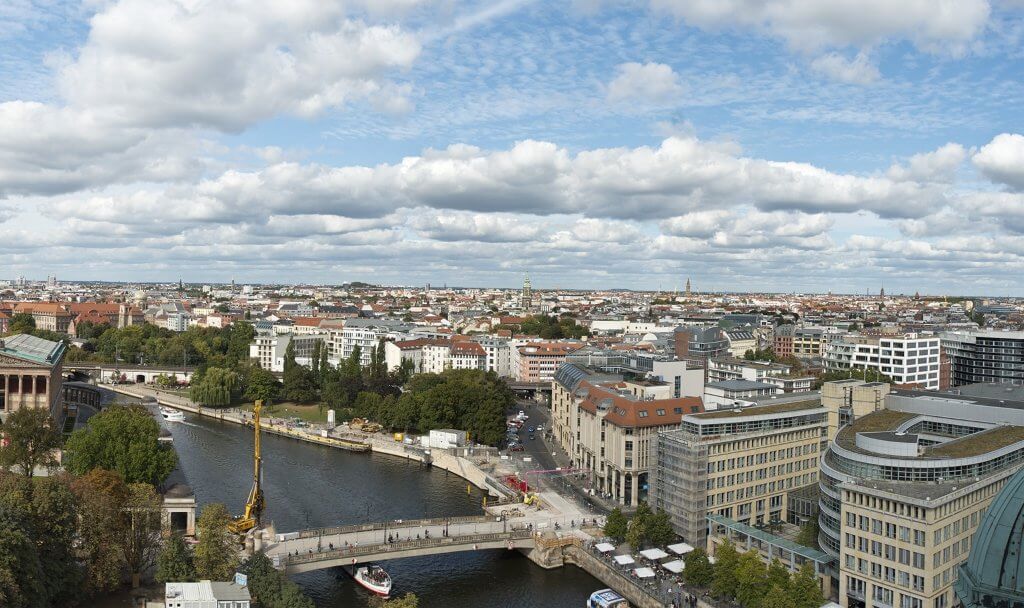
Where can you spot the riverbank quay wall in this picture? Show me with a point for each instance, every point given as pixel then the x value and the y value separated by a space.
pixel 441 459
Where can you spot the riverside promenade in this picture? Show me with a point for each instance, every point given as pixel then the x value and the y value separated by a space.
pixel 468 463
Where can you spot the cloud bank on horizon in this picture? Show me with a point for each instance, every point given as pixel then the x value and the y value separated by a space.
pixel 780 145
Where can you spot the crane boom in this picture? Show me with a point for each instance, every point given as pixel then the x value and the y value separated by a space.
pixel 254 504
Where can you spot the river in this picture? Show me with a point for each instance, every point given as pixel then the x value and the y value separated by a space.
pixel 311 486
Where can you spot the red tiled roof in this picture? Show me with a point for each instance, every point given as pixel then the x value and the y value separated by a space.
pixel 625 412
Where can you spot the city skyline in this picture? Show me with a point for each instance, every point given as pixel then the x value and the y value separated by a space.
pixel 593 145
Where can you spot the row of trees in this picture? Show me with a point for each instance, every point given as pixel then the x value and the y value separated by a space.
pixel 467 399
pixel 67 537
pixel 745 579
pixel 472 400
pixel 549 327
pixel 646 527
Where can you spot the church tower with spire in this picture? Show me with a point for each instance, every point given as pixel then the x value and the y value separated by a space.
pixel 527 294
pixel 687 286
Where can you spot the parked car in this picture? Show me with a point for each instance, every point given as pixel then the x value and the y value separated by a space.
pixel 532 437
pixel 516 448
pixel 530 429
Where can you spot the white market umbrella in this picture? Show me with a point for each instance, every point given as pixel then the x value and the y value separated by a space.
pixel 644 572
pixel 624 560
pixel 653 554
pixel 605 547
pixel 680 548
pixel 675 566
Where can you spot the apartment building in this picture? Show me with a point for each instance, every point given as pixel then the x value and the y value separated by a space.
pixel 779 374
pixel 269 348
pixel 904 488
pixel 499 354
pixel 906 358
pixel 696 345
pixel 365 334
pixel 466 354
pixel 736 464
pixel 804 342
pixel 538 361
pixel 607 425
pixel 984 356
pixel 735 393
pixel 52 317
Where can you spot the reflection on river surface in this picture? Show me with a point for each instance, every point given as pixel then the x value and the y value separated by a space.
pixel 312 486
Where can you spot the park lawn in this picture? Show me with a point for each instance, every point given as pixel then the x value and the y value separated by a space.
pixel 287 409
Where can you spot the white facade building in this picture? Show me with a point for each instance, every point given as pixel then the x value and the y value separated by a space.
pixel 268 349
pixel 907 358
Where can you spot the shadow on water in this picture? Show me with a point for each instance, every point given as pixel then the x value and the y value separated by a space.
pixel 311 486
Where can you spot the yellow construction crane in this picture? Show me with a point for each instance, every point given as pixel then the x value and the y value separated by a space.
pixel 254 506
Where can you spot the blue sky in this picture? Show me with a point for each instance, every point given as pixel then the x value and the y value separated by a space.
pixel 774 145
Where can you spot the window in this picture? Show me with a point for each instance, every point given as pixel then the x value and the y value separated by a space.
pixel 643 413
pixel 660 412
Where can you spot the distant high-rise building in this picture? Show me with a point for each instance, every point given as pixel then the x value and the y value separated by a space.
pixel 527 293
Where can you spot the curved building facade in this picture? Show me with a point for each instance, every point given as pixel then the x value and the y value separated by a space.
pixel 903 489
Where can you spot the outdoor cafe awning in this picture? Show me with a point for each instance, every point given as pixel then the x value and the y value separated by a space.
pixel 653 553
pixel 644 572
pixel 675 566
pixel 624 560
pixel 680 548
pixel 605 547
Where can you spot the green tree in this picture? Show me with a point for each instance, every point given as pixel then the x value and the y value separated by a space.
pixel 21 573
pixel 805 590
pixel 299 384
pixel 22 323
pixel 751 580
pixel 216 388
pixel 215 554
pixel 699 570
pixel 271 588
pixel 262 384
pixel 778 575
pixel 55 514
pixel 175 562
pixel 289 356
pixel 616 525
pixel 808 535
pixel 725 582
pixel 31 441
pixel 140 532
pixel 124 439
pixel 636 534
pixel 777 597
pixel 659 529
pixel 101 497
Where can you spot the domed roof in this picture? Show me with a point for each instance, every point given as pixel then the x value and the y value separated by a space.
pixel 995 569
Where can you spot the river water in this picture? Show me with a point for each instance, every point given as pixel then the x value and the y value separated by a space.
pixel 312 486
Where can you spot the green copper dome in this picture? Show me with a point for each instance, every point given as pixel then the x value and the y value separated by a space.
pixel 993 575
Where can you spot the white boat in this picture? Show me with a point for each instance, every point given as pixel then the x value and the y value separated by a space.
pixel 375 579
pixel 171 415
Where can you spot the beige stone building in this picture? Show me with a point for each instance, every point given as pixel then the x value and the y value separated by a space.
pixel 738 464
pixel 607 427
pixel 904 488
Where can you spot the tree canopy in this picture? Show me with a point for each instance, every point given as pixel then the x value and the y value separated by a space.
pixel 31 441
pixel 124 439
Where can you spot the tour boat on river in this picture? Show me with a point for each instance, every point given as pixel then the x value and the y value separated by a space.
pixel 375 579
pixel 171 415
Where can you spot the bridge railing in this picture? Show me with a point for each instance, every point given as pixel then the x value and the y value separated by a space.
pixel 405 523
pixel 351 552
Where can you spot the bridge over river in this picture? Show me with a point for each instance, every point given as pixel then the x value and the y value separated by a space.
pixel 348 545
